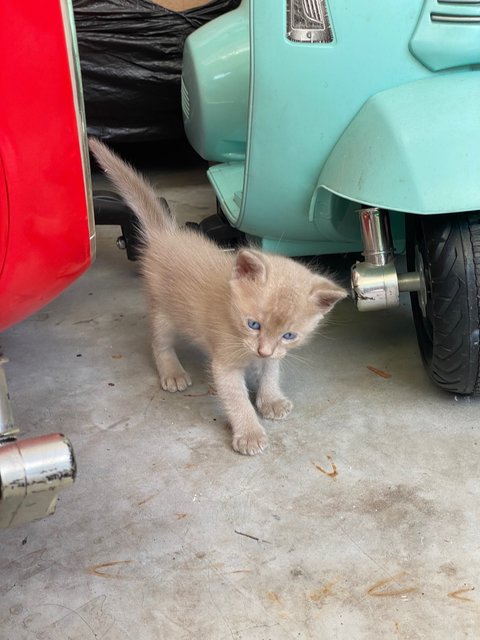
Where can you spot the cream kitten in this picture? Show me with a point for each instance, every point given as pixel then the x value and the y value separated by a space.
pixel 245 308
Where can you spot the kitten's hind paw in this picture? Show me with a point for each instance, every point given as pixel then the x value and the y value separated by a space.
pixel 176 381
pixel 249 443
pixel 277 409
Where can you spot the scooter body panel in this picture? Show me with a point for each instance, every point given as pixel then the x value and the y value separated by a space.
pixel 47 232
pixel 413 148
pixel 215 79
pixel 363 107
pixel 447 35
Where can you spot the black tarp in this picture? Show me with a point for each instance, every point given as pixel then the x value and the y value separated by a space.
pixel 131 59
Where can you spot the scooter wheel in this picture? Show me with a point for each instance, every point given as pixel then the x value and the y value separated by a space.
pixel 445 249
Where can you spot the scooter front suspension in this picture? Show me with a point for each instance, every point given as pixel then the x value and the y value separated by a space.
pixel 375 282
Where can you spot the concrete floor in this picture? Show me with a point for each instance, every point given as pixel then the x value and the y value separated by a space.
pixel 361 520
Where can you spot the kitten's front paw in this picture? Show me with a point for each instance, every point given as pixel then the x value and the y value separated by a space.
pixel 250 442
pixel 277 409
pixel 175 381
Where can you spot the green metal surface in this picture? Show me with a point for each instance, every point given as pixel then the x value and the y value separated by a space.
pixel 215 85
pixel 421 152
pixel 365 112
pixel 447 35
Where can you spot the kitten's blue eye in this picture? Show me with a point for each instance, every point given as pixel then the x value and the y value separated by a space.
pixel 289 336
pixel 253 324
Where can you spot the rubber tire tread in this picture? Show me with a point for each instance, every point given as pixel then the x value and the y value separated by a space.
pixel 450 246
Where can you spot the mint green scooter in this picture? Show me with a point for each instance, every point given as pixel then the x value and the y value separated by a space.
pixel 339 126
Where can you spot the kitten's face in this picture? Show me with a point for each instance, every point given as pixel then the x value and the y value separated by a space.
pixel 270 330
pixel 277 303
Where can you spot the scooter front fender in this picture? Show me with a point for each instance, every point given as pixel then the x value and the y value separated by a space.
pixel 414 148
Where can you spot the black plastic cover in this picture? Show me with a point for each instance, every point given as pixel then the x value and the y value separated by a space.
pixel 131 60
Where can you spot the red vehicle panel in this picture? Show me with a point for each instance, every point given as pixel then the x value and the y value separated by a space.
pixel 46 219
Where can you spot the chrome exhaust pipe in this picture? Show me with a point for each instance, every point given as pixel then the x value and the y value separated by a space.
pixel 375 282
pixel 32 471
pixel 376 236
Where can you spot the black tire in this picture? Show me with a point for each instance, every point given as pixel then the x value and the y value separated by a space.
pixel 446 249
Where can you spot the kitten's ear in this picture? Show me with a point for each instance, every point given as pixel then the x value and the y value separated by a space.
pixel 250 265
pixel 326 294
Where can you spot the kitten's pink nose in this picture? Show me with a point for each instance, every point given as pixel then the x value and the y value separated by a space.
pixel 264 352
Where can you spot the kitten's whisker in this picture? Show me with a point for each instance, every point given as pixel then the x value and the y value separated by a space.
pixel 324 336
pixel 279 241
pixel 303 363
pixel 335 322
pixel 297 358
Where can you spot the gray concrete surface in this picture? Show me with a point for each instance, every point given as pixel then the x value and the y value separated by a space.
pixel 361 520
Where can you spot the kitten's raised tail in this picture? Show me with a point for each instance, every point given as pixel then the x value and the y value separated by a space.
pixel 134 189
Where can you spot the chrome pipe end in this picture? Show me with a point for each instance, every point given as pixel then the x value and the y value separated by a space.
pixel 374 287
pixel 32 473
